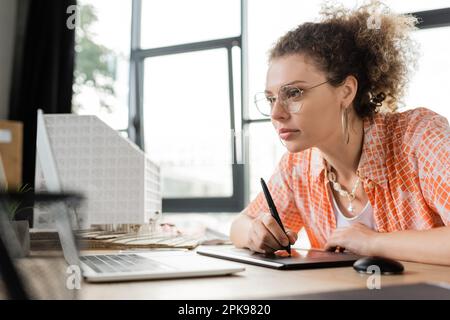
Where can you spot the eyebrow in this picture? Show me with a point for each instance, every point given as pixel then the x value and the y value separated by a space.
pixel 286 84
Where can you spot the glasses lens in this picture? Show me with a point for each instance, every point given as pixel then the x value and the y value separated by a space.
pixel 294 107
pixel 263 104
pixel 290 94
pixel 292 98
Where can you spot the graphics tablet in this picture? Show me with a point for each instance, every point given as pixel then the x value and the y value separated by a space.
pixel 300 258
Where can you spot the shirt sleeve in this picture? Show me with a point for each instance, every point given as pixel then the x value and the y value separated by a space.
pixel 433 158
pixel 283 196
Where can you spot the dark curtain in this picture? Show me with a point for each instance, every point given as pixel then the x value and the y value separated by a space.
pixel 42 71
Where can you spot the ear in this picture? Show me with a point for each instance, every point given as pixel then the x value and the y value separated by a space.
pixel 348 90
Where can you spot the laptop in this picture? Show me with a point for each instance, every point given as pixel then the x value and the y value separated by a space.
pixel 137 265
pixel 300 258
pixel 145 266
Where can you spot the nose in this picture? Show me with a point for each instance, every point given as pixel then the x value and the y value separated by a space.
pixel 279 112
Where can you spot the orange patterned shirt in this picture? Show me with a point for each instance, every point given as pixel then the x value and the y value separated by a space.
pixel 405 167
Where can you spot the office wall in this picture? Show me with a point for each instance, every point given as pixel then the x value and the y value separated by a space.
pixel 8 10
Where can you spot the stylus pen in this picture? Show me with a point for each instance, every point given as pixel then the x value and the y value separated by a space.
pixel 273 210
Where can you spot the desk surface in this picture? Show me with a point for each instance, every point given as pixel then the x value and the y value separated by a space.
pixel 257 282
pixel 254 283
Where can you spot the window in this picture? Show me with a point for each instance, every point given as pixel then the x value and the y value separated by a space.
pixel 429 85
pixel 172 22
pixel 186 101
pixel 265 150
pixel 101 73
pixel 187 122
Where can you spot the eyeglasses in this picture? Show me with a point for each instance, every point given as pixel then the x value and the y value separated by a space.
pixel 290 98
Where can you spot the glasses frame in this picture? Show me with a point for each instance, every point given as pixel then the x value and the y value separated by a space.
pixel 258 97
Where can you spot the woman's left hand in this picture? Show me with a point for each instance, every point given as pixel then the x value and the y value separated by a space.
pixel 357 238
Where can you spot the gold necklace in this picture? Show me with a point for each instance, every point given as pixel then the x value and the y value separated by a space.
pixel 344 193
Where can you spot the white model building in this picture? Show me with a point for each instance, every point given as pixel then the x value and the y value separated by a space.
pixel 120 183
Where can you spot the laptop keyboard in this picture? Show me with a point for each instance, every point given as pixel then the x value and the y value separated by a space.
pixel 118 263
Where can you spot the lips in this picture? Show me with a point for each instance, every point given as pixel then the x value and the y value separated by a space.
pixel 286 133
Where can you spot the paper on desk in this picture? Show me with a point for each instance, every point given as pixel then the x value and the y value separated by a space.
pixel 214 237
pixel 208 229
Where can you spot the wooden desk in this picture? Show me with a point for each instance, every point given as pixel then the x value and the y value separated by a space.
pixel 254 283
pixel 257 282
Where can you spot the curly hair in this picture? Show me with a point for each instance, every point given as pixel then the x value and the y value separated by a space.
pixel 371 43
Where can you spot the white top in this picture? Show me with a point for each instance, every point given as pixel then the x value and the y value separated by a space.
pixel 366 216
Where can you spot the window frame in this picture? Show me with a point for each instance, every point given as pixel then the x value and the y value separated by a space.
pixel 136 128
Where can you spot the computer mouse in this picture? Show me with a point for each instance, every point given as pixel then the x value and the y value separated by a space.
pixel 386 265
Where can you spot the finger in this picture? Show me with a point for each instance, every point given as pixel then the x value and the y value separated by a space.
pixel 254 248
pixel 274 228
pixel 331 245
pixel 263 235
pixel 257 246
pixel 335 249
pixel 262 248
pixel 292 236
pixel 268 249
pixel 263 239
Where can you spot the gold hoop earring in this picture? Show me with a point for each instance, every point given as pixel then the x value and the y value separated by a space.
pixel 344 120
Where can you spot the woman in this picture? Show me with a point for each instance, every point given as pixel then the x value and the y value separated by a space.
pixel 357 175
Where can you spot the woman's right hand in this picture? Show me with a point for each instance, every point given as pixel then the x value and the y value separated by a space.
pixel 266 236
